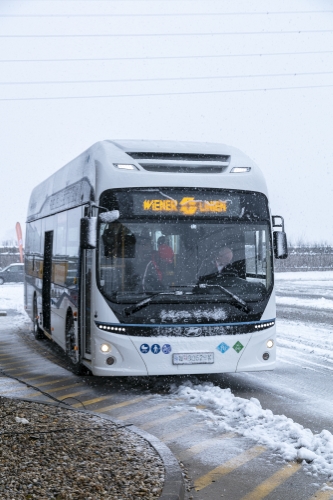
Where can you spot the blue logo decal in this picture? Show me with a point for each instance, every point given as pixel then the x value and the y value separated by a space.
pixel 144 348
pixel 166 348
pixel 223 347
pixel 155 348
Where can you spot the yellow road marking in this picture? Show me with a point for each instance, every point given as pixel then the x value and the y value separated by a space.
pixel 124 403
pixel 19 374
pixel 6 366
pixel 90 401
pixel 52 382
pixel 63 387
pixel 182 432
pixel 323 495
pixel 198 448
pixel 160 421
pixel 73 395
pixel 227 467
pixel 21 387
pixel 13 356
pixel 41 385
pixel 45 375
pixel 272 482
pixel 143 412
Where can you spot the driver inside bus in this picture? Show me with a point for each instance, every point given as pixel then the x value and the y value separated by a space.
pixel 221 263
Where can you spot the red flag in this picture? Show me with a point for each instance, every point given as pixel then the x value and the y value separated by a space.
pixel 20 240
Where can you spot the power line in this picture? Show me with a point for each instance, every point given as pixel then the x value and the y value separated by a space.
pixel 164 93
pixel 133 35
pixel 178 78
pixel 173 14
pixel 144 58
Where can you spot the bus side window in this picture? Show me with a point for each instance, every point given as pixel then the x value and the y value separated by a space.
pixel 60 259
pixel 73 246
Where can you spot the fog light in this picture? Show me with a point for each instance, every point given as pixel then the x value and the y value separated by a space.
pixel 270 344
pixel 110 360
pixel 265 356
pixel 105 348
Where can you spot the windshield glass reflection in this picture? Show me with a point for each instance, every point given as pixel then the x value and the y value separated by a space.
pixel 184 261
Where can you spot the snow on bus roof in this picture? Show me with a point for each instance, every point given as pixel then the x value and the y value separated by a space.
pixel 75 183
pixel 180 147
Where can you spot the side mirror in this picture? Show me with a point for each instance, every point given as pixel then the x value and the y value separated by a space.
pixel 88 231
pixel 280 244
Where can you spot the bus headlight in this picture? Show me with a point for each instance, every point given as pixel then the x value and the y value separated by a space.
pixel 269 343
pixel 105 348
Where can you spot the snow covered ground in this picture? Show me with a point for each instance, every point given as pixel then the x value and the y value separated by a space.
pixel 12 301
pixel 303 346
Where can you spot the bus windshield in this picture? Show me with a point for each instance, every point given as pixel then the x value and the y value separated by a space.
pixel 177 259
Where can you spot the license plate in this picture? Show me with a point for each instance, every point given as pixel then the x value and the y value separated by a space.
pixel 193 358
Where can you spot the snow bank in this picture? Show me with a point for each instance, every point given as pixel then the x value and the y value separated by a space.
pixel 307 339
pixel 278 432
pixel 305 276
pixel 11 297
pixel 320 303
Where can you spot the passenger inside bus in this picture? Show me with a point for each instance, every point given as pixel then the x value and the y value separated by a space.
pixel 159 271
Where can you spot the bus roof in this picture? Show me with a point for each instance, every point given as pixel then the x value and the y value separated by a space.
pixel 191 164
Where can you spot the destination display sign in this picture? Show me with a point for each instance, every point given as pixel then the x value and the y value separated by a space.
pixel 185 203
pixel 186 206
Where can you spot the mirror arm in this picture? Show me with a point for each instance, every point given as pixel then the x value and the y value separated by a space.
pixel 274 224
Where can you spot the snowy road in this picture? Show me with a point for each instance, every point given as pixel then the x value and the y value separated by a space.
pixel 243 436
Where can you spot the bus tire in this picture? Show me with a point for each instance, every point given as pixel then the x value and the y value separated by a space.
pixel 38 332
pixel 71 352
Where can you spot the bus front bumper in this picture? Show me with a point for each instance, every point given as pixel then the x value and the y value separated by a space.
pixel 122 355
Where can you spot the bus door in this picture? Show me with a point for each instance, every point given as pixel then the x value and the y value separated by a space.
pixel 47 276
pixel 85 303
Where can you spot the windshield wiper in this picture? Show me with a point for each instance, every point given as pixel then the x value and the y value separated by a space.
pixel 240 302
pixel 144 303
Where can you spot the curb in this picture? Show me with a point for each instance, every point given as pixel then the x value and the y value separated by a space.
pixel 174 486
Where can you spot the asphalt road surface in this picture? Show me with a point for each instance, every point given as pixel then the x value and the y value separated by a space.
pixel 221 464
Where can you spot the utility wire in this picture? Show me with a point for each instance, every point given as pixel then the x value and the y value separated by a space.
pixel 134 35
pixel 178 78
pixel 216 56
pixel 164 93
pixel 174 14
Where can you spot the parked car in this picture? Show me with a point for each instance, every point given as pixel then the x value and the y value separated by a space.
pixel 12 273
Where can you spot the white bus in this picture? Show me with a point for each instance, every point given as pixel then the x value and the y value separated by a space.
pixel 155 258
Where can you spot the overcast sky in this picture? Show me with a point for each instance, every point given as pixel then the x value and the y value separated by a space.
pixel 255 74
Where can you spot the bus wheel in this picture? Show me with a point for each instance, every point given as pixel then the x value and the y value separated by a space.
pixel 71 346
pixel 38 332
